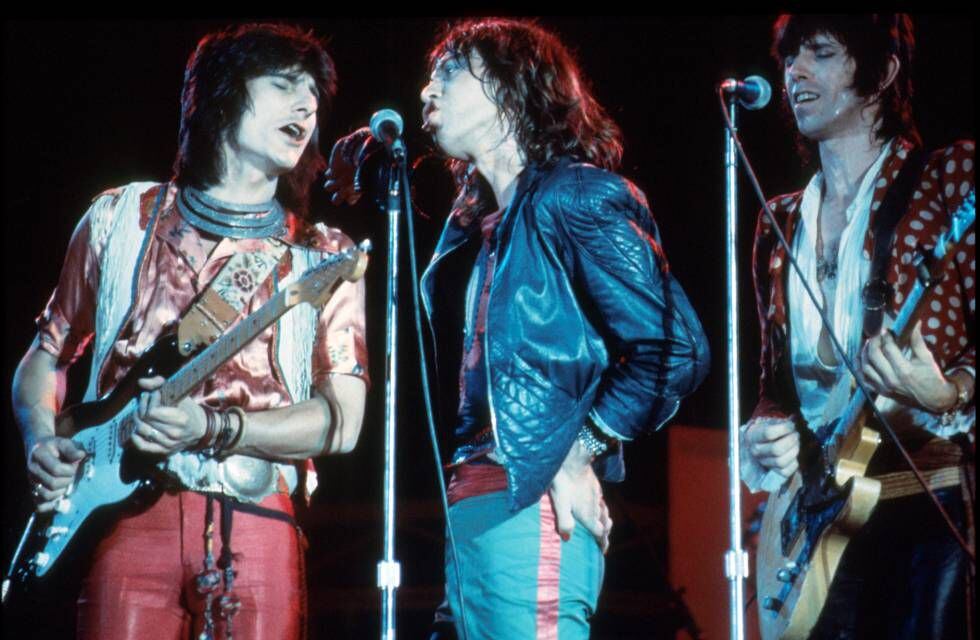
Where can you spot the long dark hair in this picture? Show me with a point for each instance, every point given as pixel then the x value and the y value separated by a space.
pixel 540 91
pixel 870 40
pixel 215 96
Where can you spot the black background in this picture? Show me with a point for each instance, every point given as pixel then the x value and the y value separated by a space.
pixel 94 104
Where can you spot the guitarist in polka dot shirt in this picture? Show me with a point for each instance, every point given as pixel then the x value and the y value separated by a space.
pixel 848 87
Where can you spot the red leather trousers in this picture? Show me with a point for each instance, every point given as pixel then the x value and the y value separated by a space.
pixel 142 585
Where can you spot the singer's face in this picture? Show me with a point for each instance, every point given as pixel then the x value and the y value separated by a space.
pixel 819 83
pixel 276 126
pixel 458 111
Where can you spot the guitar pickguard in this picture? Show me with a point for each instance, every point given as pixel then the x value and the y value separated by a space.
pixel 791 526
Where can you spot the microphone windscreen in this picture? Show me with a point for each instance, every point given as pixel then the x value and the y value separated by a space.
pixel 383 119
pixel 764 89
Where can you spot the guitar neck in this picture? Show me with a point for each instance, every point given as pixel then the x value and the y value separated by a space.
pixel 221 350
pixel 960 221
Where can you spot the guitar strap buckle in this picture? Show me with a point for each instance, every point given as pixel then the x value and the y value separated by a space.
pixel 875 296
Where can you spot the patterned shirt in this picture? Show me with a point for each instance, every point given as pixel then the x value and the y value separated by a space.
pixel 947 311
pixel 177 268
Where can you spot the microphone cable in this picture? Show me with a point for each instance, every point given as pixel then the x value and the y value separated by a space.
pixel 868 395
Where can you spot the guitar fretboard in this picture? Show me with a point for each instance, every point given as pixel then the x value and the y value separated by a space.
pixel 960 222
pixel 314 281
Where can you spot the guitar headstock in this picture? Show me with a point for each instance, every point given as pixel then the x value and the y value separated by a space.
pixel 318 283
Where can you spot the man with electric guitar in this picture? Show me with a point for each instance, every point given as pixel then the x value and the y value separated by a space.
pixel 207 369
pixel 853 546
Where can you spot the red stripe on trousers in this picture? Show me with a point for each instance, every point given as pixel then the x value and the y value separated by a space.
pixel 549 570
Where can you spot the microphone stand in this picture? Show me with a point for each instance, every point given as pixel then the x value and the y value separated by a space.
pixel 736 559
pixel 389 569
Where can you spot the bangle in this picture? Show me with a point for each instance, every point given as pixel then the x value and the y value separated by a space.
pixel 224 435
pixel 210 430
pixel 238 411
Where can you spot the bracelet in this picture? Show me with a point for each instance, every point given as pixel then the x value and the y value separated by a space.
pixel 594 441
pixel 221 442
pixel 242 420
pixel 962 399
pixel 210 430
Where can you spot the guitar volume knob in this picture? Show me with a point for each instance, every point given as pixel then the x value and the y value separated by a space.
pixel 771 604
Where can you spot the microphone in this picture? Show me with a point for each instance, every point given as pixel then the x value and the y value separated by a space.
pixel 386 126
pixel 752 93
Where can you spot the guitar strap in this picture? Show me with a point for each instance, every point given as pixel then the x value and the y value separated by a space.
pixel 877 292
pixel 228 294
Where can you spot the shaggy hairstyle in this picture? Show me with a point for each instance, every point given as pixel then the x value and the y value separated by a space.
pixel 870 40
pixel 540 92
pixel 215 97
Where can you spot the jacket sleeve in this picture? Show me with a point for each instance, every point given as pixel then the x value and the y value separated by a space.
pixel 773 401
pixel 657 349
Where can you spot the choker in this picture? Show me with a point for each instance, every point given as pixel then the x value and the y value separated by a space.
pixel 228 219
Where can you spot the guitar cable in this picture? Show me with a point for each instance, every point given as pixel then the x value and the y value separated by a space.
pixel 868 394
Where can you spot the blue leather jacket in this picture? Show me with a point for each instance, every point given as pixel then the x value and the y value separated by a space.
pixel 583 319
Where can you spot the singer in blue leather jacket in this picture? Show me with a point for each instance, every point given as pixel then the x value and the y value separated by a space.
pixel 574 336
pixel 584 320
pixel 557 327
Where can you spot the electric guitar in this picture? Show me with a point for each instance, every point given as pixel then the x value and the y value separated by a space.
pixel 111 471
pixel 810 520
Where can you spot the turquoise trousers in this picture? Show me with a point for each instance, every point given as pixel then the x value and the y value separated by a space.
pixel 519 579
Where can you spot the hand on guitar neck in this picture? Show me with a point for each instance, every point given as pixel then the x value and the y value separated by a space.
pixel 914 379
pixel 163 430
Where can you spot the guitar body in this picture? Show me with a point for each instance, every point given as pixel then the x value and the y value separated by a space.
pixel 111 472
pixel 809 522
pixel 805 530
